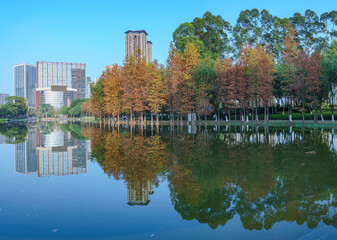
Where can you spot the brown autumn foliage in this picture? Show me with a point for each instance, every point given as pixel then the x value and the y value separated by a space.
pixel 112 91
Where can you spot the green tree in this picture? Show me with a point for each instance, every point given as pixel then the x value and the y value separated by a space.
pixel 47 110
pixel 77 110
pixel 186 33
pixel 16 107
pixel 329 74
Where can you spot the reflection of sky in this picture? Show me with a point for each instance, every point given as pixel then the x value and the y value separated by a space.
pixel 92 206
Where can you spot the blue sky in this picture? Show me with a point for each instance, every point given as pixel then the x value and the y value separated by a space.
pixel 92 31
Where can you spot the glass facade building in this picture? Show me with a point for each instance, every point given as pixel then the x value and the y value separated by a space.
pixel 59 83
pixel 25 82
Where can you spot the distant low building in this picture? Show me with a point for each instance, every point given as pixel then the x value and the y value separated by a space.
pixel 3 97
pixel 107 67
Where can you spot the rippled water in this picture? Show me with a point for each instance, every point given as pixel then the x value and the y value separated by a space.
pixel 83 182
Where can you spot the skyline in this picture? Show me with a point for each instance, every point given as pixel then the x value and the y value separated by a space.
pixel 94 32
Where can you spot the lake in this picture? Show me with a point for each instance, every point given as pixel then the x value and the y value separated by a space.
pixel 85 182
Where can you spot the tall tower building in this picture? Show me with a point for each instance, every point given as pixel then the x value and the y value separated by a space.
pixel 148 51
pixel 24 80
pixel 135 40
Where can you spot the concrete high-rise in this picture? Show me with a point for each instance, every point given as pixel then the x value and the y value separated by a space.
pixel 24 80
pixel 148 51
pixel 137 40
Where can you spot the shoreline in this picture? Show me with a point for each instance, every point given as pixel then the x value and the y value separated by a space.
pixel 270 123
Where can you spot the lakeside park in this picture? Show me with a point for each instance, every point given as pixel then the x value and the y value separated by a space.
pixel 227 133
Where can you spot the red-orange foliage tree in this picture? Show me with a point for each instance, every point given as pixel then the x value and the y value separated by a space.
pixel 173 80
pixel 112 92
pixel 313 79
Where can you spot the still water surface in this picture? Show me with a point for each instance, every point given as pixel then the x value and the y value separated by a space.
pixel 81 182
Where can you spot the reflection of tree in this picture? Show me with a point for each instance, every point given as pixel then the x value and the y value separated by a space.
pixel 15 133
pixel 264 177
pixel 74 129
pixel 136 159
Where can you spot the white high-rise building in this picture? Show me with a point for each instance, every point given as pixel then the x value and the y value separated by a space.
pixel 24 80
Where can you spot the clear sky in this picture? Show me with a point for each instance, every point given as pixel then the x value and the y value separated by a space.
pixel 92 31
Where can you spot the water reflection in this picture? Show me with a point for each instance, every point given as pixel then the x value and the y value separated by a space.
pixel 263 176
pixel 25 154
pixel 59 154
pixel 49 150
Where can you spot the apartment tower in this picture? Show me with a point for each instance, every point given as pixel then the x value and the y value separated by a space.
pixel 135 40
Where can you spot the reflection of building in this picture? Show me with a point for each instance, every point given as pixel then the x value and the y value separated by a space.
pixel 25 82
pixel 88 149
pixel 4 139
pixel 139 194
pixel 58 83
pixel 3 97
pixel 135 40
pixel 58 153
pixel 25 154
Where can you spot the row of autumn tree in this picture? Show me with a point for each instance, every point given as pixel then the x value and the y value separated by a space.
pixel 203 79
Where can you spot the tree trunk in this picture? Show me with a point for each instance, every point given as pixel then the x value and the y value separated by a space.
pixel 162 114
pixel 290 111
pixel 302 111
pixel 315 112
pixel 256 111
pixel 265 114
pixel 157 119
pixel 131 120
pixel 151 119
pixel 332 106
